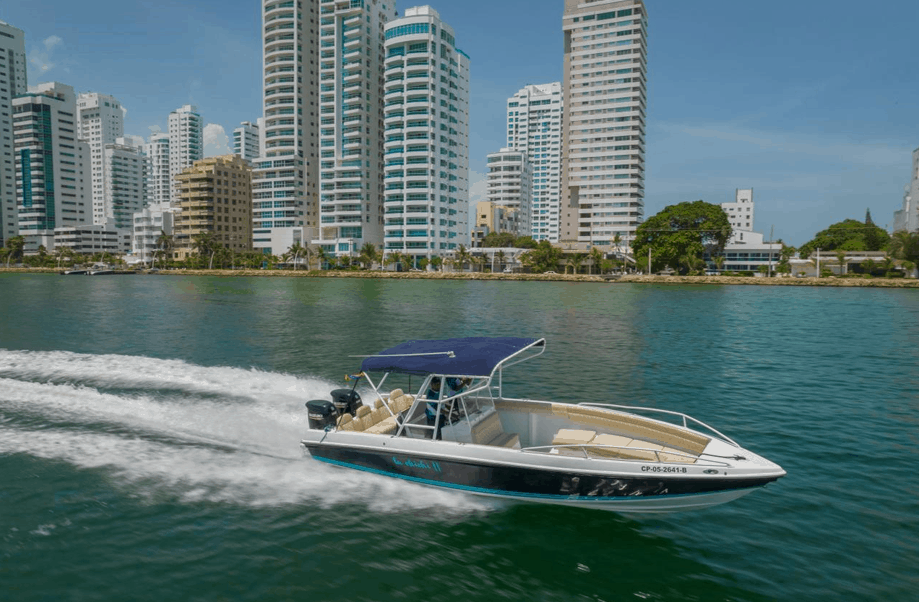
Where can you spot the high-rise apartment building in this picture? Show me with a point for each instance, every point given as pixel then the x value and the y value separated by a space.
pixel 186 141
pixel 509 185
pixel 350 118
pixel 12 84
pixel 907 218
pixel 534 126
pixel 159 180
pixel 426 143
pixel 286 175
pixel 605 90
pixel 52 164
pixel 125 184
pixel 214 195
pixel 100 120
pixel 246 141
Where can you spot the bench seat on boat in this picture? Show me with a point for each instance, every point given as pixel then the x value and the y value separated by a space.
pixel 490 432
pixel 635 427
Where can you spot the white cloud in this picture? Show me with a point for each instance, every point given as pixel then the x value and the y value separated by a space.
pixel 478 187
pixel 41 56
pixel 216 141
pixel 154 129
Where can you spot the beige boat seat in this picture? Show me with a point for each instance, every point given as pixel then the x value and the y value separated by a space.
pixel 346 422
pixel 364 418
pixel 573 437
pixel 642 450
pixel 615 444
pixel 490 432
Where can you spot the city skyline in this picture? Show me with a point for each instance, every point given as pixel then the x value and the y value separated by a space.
pixel 808 106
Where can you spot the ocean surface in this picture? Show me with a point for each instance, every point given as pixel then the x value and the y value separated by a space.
pixel 149 431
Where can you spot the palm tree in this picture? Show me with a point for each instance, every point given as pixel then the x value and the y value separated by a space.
pixel 204 243
pixel 462 257
pixel 437 261
pixel 869 265
pixel 841 258
pixel 164 243
pixel 596 257
pixel 501 256
pixel 575 262
pixel 295 251
pixel 323 256
pixel 719 262
pixel 15 244
pixel 368 255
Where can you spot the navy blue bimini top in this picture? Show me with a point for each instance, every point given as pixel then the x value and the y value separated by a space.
pixel 473 356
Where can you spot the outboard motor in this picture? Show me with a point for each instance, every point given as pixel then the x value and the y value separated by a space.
pixel 346 401
pixel 322 413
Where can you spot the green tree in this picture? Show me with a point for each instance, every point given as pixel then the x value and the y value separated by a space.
pixel 368 255
pixel 686 229
pixel 494 240
pixel 462 257
pixel 501 258
pixel 841 260
pixel 904 246
pixel 525 242
pixel 437 261
pixel 575 260
pixel 848 235
pixel 16 245
pixel 323 256
pixel 205 245
pixel 543 258
pixel 869 266
pixel 596 258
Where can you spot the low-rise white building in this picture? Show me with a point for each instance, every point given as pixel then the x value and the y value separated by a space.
pixel 746 251
pixel 150 223
pixel 89 239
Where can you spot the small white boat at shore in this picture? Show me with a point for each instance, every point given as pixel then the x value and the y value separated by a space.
pixel 466 435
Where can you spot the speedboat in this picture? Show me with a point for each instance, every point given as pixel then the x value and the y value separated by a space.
pixel 457 430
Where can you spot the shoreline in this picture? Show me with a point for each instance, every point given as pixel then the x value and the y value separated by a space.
pixel 628 279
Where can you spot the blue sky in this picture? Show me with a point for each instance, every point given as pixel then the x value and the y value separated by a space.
pixel 811 103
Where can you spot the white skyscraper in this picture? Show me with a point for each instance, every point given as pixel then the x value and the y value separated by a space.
pixel 907 218
pixel 159 181
pixel 605 88
pixel 100 120
pixel 186 141
pixel 509 185
pixel 351 113
pixel 246 141
pixel 125 184
pixel 534 125
pixel 426 144
pixel 52 164
pixel 12 84
pixel 285 178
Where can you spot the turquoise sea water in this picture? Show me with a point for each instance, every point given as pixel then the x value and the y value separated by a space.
pixel 149 431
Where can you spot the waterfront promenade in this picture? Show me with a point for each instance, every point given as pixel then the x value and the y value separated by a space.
pixel 631 278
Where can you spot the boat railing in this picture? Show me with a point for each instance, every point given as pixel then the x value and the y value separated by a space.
pixel 686 418
pixel 585 448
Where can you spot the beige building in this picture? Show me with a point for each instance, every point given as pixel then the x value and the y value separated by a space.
pixel 605 99
pixel 214 195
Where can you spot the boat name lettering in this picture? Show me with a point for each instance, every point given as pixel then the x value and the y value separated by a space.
pixel 435 466
pixel 662 469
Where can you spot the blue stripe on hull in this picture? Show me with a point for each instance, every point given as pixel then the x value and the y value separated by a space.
pixel 521 495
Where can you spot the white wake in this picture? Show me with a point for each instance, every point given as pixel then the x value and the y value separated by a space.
pixel 196 433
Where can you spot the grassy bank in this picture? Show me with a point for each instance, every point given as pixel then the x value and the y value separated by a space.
pixel 635 279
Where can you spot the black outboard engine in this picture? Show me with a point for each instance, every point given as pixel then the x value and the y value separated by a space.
pixel 346 401
pixel 322 413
